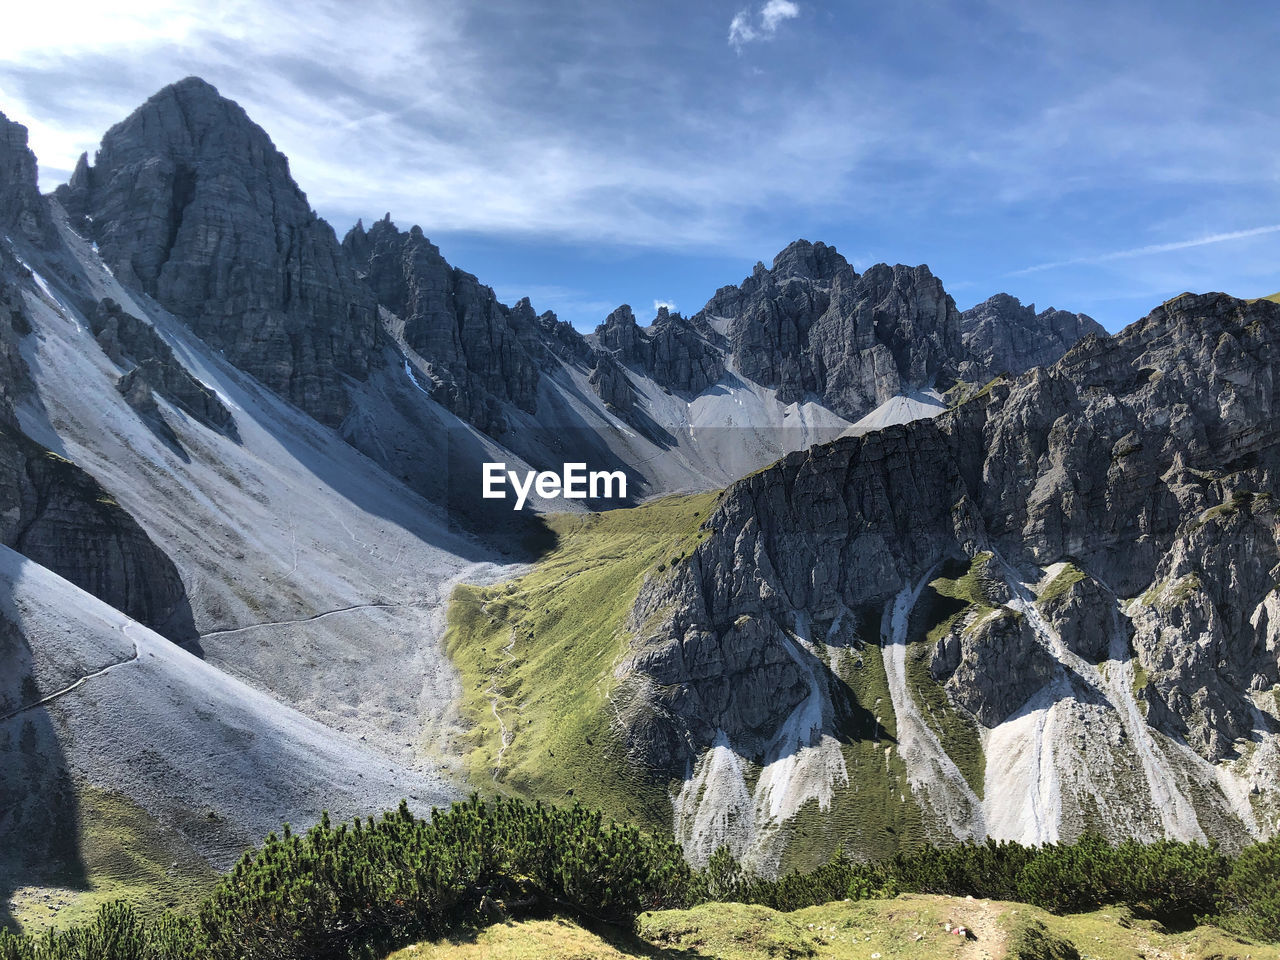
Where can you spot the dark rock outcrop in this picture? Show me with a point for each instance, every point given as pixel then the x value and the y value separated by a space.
pixel 992 665
pixel 23 212
pixel 134 343
pixel 57 515
pixel 1000 335
pixel 190 200
pixel 811 326
pixel 1150 461
pixel 15 378
pixel 54 513
pixel 674 352
pixel 609 380
pixel 479 353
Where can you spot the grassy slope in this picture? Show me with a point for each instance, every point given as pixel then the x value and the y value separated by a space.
pixel 909 927
pixel 956 593
pixel 537 657
pixel 126 855
pixel 875 815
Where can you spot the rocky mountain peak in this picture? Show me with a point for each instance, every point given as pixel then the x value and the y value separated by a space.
pixel 812 328
pixel 189 199
pixel 480 353
pixel 621 335
pixel 1002 336
pixel 810 261
pixel 22 209
pixel 673 352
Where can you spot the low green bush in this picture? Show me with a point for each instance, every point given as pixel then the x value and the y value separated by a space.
pixel 359 890
pixel 1250 899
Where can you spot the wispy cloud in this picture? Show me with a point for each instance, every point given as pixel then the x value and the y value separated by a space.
pixel 978 138
pixel 1149 249
pixel 745 28
pixel 659 304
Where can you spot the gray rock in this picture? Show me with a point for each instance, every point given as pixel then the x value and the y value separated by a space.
pixel 674 352
pixel 991 664
pixel 57 515
pixel 811 327
pixel 1146 458
pixel 480 354
pixel 190 200
pixel 1000 335
pixel 133 343
pixel 23 211
pixel 609 380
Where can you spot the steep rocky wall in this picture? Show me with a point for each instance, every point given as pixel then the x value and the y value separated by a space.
pixel 59 516
pixel 190 200
pixel 674 352
pixel 1000 335
pixel 812 327
pixel 480 353
pixel 1149 461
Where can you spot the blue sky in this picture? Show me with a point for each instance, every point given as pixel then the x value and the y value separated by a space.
pixel 1091 156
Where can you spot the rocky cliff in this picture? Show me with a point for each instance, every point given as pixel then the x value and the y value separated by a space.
pixel 150 365
pixel 23 212
pixel 479 353
pixel 189 199
pixel 1095 539
pixel 812 327
pixel 50 509
pixel 1000 335
pixel 674 352
pixel 59 516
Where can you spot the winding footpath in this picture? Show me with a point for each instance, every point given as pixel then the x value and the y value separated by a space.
pixel 57 694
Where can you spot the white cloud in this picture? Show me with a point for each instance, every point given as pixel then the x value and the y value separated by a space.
pixel 742 30
pixel 1150 249
pixel 659 304
pixel 775 11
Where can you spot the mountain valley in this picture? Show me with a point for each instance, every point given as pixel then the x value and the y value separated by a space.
pixel 888 572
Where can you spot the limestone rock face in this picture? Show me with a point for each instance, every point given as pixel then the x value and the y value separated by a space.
pixel 992 665
pixel 480 353
pixel 812 327
pixel 57 515
pixel 22 210
pixel 1148 461
pixel 14 375
pixel 190 200
pixel 132 343
pixel 609 380
pixel 1000 335
pixel 1081 614
pixel 674 352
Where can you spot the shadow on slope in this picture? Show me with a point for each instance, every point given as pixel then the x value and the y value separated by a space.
pixel 39 809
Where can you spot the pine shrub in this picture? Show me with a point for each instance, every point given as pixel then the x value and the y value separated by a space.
pixel 1250 899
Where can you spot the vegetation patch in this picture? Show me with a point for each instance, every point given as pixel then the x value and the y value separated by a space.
pixel 876 813
pixel 1173 593
pixel 364 889
pixel 537 657
pixel 1065 579
pixel 956 730
pixel 959 590
pixel 120 854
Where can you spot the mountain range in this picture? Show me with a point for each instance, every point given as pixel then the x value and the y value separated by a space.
pixel 960 574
